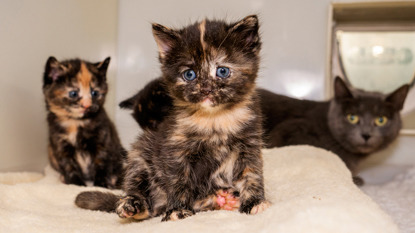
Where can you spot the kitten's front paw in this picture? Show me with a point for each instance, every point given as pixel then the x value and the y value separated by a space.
pixel 173 215
pixel 132 207
pixel 260 207
pixel 254 206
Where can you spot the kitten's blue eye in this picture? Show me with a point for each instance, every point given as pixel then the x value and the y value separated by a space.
pixel 73 94
pixel 189 75
pixel 223 72
pixel 94 93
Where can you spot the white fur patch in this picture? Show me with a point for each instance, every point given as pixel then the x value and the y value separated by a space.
pixel 84 162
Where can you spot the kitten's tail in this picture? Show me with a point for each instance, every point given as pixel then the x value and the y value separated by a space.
pixel 95 200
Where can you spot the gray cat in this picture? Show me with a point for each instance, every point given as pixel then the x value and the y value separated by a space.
pixel 353 124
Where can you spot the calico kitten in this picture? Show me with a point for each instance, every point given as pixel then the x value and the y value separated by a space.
pixel 211 141
pixel 83 143
pixel 353 124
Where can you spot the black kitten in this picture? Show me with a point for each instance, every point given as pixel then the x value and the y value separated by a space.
pixel 154 99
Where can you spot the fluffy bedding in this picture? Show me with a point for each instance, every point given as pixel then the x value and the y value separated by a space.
pixel 311 190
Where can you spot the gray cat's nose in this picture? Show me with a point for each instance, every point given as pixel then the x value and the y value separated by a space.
pixel 366 136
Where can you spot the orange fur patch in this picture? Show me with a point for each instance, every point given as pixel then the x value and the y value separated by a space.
pixel 202 29
pixel 61 112
pixel 219 119
pixel 84 76
pixel 84 79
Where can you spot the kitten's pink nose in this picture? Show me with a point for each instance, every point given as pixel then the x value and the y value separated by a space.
pixel 86 103
pixel 86 106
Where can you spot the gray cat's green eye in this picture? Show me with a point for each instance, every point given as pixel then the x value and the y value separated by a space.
pixel 353 119
pixel 189 75
pixel 381 121
pixel 73 94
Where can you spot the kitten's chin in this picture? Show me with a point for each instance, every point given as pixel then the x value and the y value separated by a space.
pixel 77 113
pixel 207 103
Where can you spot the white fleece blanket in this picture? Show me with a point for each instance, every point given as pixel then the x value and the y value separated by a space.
pixel 310 189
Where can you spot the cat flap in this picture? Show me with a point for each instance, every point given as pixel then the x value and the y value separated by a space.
pixel 397 98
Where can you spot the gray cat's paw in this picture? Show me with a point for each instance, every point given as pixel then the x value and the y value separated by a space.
pixel 357 180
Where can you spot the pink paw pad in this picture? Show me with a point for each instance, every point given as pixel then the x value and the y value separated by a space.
pixel 226 201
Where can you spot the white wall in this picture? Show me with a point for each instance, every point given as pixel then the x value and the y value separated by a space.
pixel 30 32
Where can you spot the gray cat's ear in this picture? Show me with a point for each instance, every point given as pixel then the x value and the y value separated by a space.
pixel 397 98
pixel 165 39
pixel 341 90
pixel 248 30
pixel 53 70
pixel 103 65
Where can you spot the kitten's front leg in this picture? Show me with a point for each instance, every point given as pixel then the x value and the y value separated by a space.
pixel 178 203
pixel 135 205
pixel 251 185
pixel 108 173
pixel 180 196
pixel 71 172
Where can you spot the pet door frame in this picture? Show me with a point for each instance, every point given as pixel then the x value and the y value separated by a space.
pixel 362 17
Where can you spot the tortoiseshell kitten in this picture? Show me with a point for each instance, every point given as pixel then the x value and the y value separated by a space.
pixel 212 139
pixel 83 144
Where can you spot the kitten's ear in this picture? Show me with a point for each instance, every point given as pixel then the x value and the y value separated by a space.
pixel 165 39
pixel 53 69
pixel 397 98
pixel 341 91
pixel 103 66
pixel 248 30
